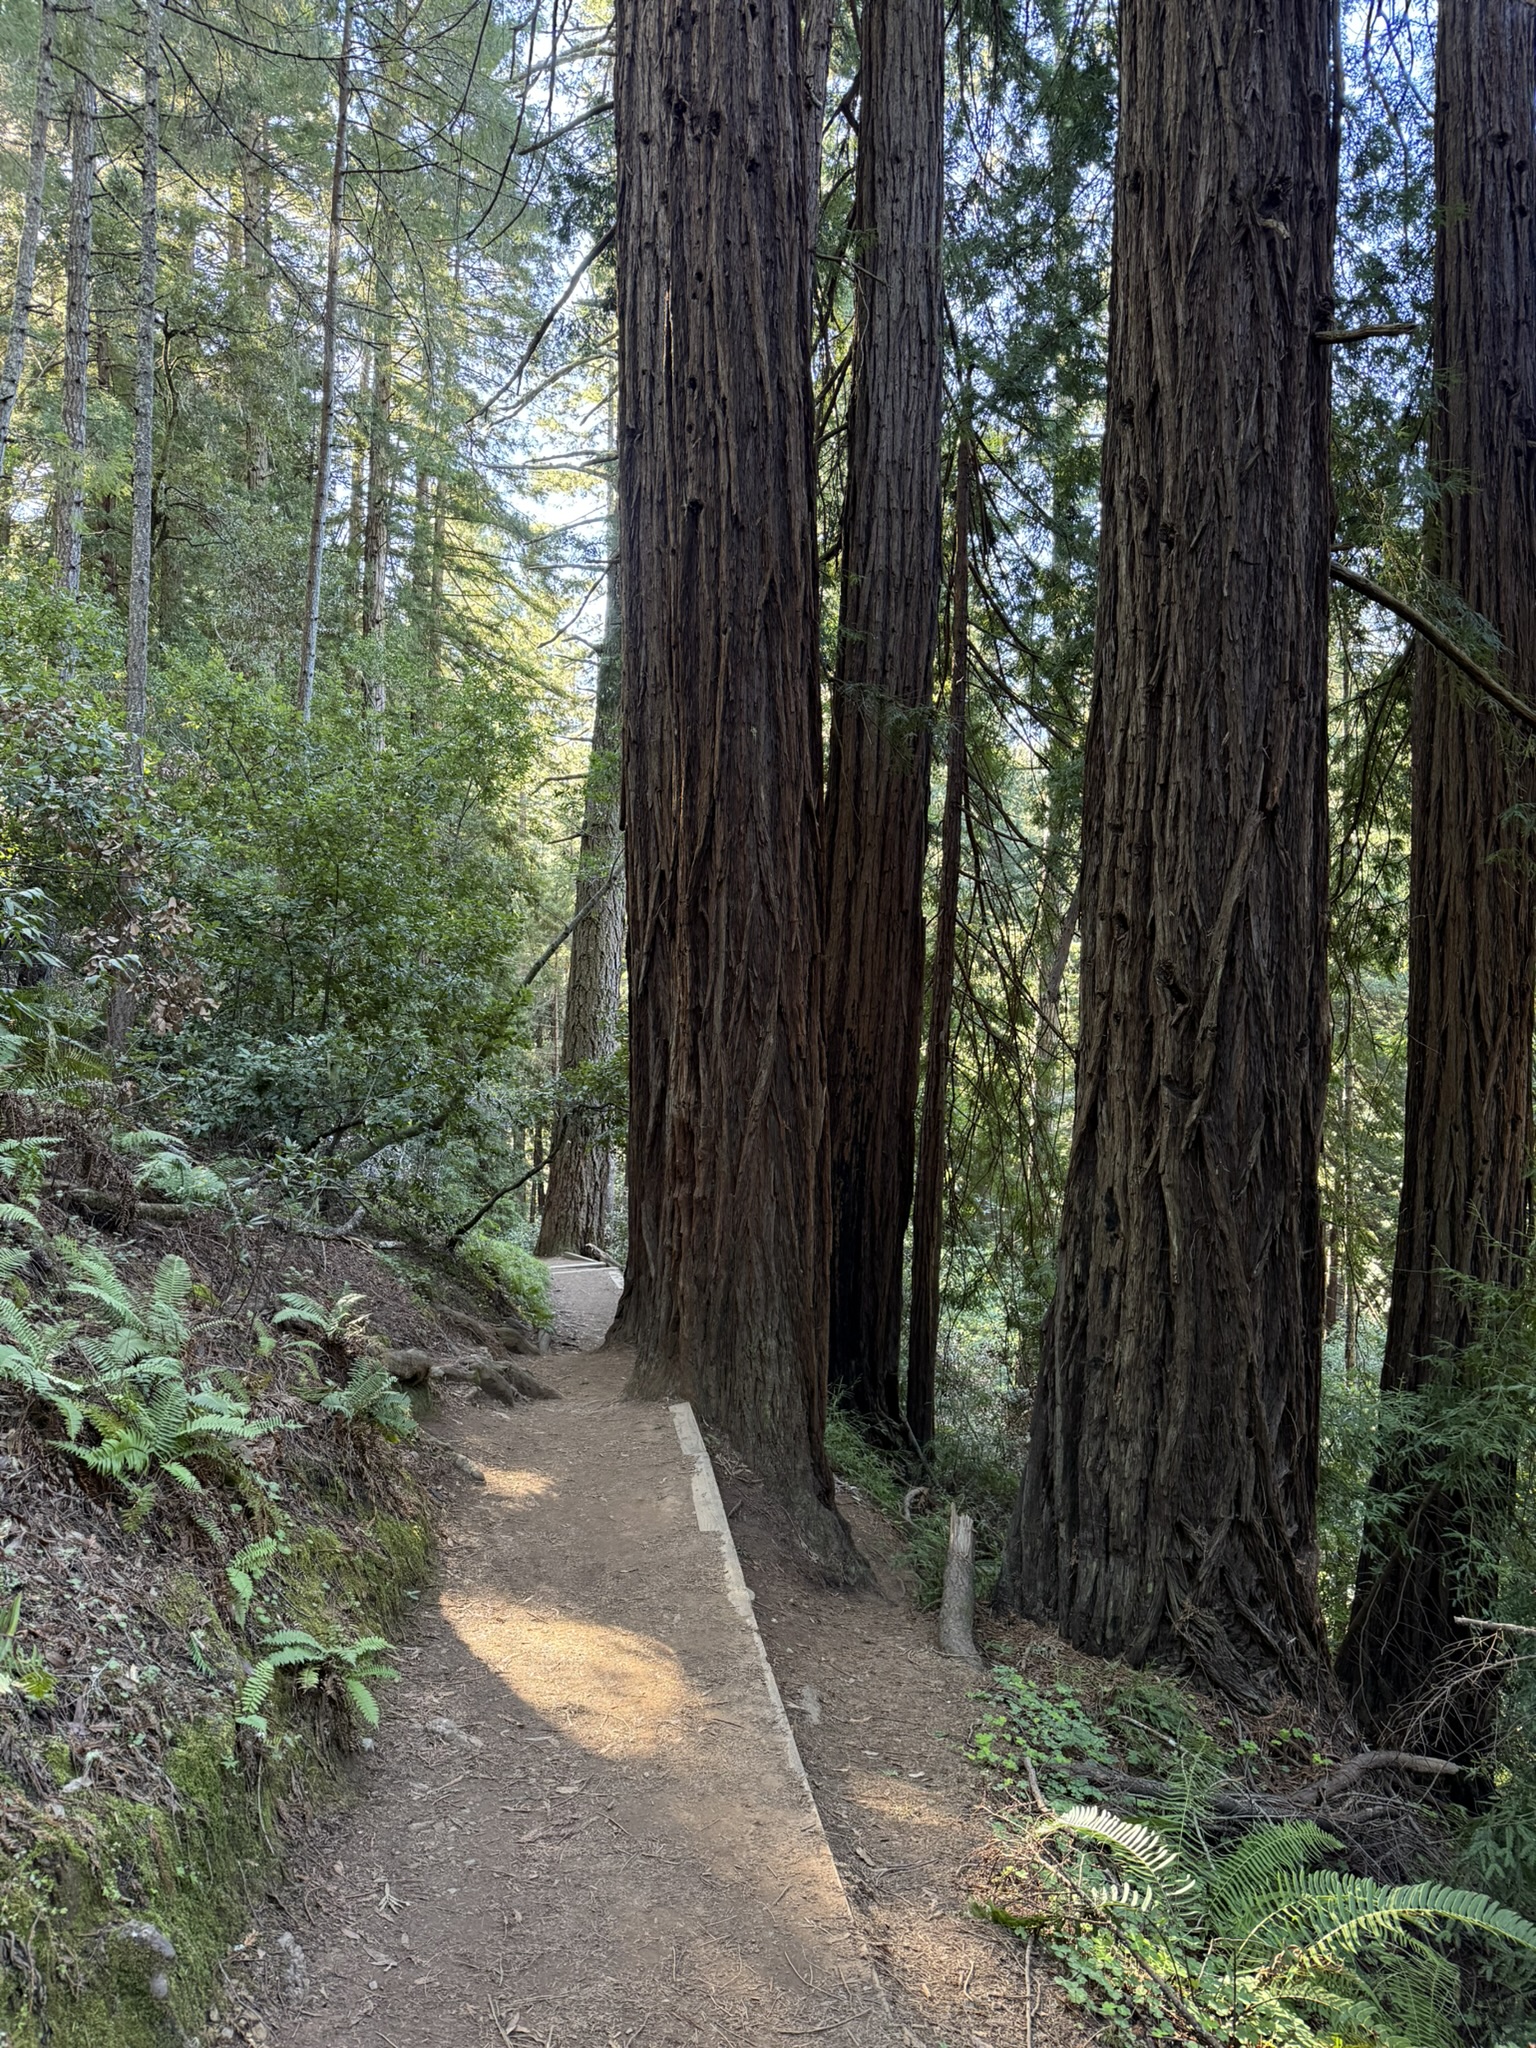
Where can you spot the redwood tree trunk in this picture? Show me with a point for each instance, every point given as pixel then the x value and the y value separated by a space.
pixel 1168 1503
pixel 877 781
pixel 928 1207
pixel 575 1210
pixel 726 1286
pixel 1472 903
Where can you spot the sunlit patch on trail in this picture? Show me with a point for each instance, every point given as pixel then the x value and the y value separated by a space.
pixel 612 1691
pixel 517 1486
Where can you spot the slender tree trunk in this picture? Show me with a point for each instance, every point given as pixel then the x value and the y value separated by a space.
pixel 726 1294
pixel 820 16
pixel 1332 1291
pixel 142 538
pixel 31 225
pixel 877 780
pixel 69 487
pixel 445 372
pixel 421 532
pixel 306 682
pixel 1430 1550
pixel 376 522
pixel 357 496
pixel 581 1158
pixel 1169 1500
pixel 928 1205
pixel 255 242
pixel 439 571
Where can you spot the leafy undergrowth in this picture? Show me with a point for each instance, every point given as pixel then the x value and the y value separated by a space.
pixel 213 1511
pixel 1181 1866
pixel 1196 1909
pixel 952 1475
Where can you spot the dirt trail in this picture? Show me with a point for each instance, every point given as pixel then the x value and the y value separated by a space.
pixel 583 1822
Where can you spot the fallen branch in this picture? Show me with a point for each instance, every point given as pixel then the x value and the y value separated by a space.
pixel 502 1379
pixel 1237 1803
pixel 1369 1760
pixel 456 1458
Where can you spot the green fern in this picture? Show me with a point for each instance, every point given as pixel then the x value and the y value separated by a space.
pixel 37 1058
pixel 1130 1841
pixel 140 1334
pixel 243 1570
pixel 24 1169
pixel 345 1671
pixel 1268 1949
pixel 339 1322
pixel 142 1435
pixel 371 1395
pixel 1265 1856
pixel 1333 1917
pixel 15 1217
pixel 24 1674
pixel 165 1169
pixel 28 1352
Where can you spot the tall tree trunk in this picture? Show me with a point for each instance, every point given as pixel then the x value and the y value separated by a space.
pixel 69 485
pixel 1169 1499
pixel 820 16
pixel 928 1206
pixel 142 538
pixel 255 243
pixel 31 225
pixel 728 1247
pixel 877 780
pixel 376 522
pixel 1428 1554
pixel 581 1158
pixel 306 682
pixel 357 496
pixel 439 571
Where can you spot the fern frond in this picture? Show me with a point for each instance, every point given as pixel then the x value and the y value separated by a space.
pixel 1137 1899
pixel 294 1638
pixel 1335 1915
pixel 143 1140
pixel 1131 1841
pixel 1242 1882
pixel 371 1395
pixel 172 1285
pixel 259 1681
pixel 363 1702
pixel 296 1659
